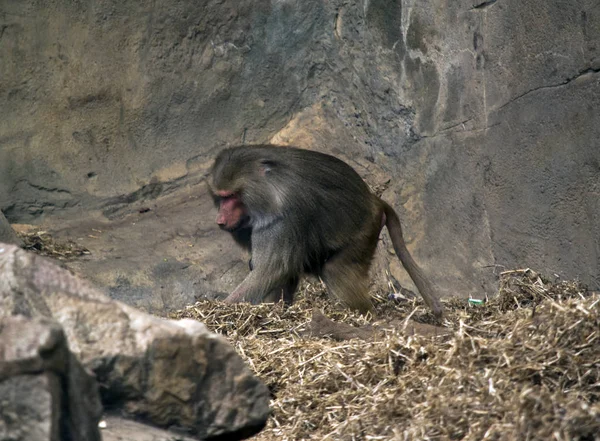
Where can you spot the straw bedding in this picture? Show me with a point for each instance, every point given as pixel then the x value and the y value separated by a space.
pixel 523 366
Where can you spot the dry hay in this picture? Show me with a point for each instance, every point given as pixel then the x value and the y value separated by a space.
pixel 42 243
pixel 523 366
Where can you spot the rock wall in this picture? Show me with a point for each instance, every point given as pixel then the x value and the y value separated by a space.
pixel 479 119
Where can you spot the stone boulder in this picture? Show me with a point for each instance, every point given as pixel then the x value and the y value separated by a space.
pixel 7 234
pixel 45 393
pixel 169 373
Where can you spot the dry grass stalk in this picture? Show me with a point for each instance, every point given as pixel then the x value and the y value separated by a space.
pixel 44 244
pixel 524 366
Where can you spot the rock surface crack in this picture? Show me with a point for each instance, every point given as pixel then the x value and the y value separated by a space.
pixel 580 74
pixel 484 4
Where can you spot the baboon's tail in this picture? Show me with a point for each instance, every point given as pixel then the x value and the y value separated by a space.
pixel 394 227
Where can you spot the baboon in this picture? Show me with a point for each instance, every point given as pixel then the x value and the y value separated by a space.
pixel 300 211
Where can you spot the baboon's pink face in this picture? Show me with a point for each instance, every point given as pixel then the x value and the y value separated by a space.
pixel 232 212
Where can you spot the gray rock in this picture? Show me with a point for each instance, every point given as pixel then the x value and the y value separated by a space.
pixel 170 373
pixel 45 393
pixel 7 234
pixel 30 407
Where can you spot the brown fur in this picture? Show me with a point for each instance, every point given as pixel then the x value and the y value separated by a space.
pixel 305 212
